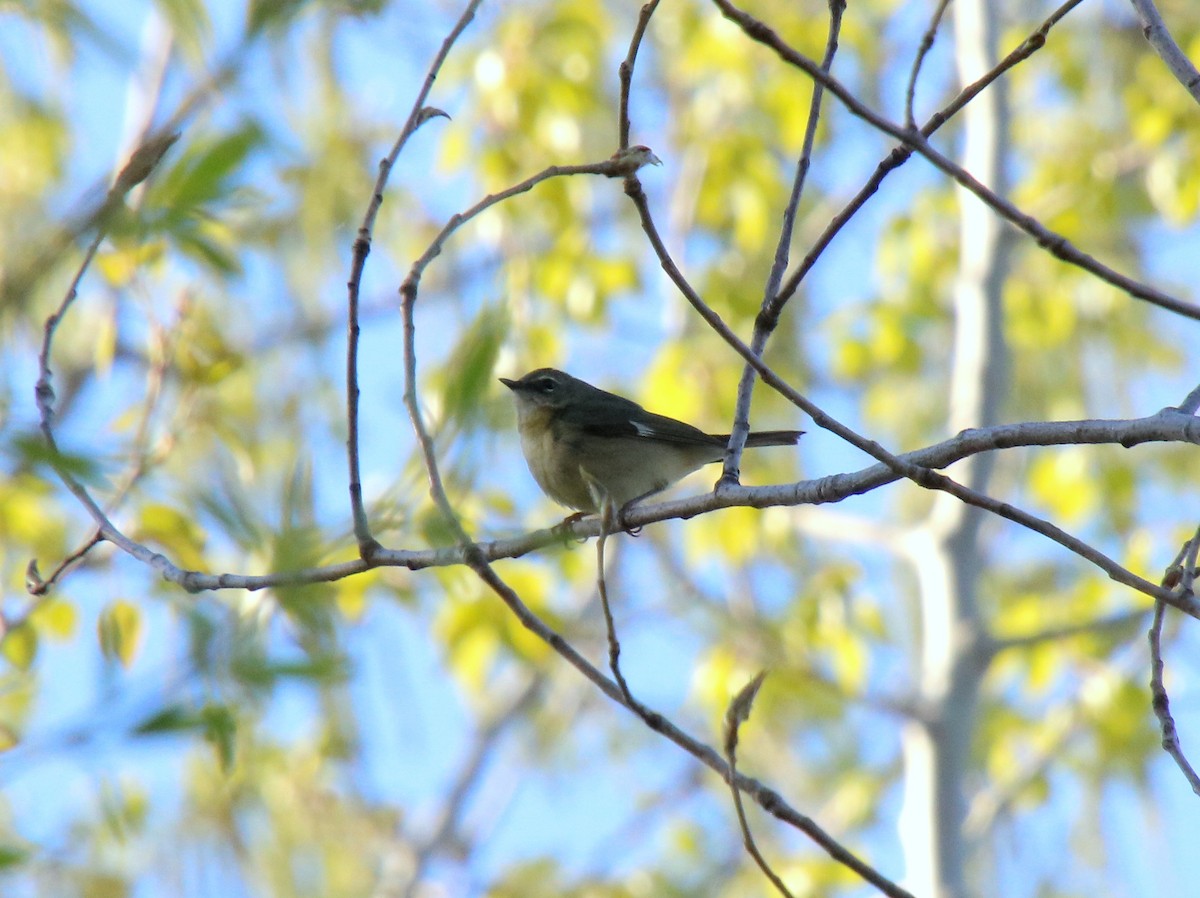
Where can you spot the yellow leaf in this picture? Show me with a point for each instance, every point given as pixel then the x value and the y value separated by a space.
pixel 174 530
pixel 56 618
pixel 20 645
pixel 120 631
pixel 1063 481
pixel 8 738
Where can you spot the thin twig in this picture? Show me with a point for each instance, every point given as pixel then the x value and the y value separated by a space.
pixel 607 518
pixel 765 324
pixel 625 72
pixel 922 476
pixel 132 476
pixel 735 715
pixel 927 40
pixel 418 115
pixel 1056 244
pixel 901 154
pixel 766 798
pixel 1165 46
pixel 141 163
pixel 610 167
pixel 1158 690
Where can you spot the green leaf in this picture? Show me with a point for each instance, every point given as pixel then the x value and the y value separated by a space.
pixel 32 450
pixel 220 728
pixel 172 719
pixel 12 856
pixel 205 172
pixel 470 377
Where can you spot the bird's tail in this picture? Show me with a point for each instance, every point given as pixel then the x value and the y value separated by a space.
pixel 772 438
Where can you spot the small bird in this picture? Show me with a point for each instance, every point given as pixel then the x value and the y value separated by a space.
pixel 585 446
pixel 627 161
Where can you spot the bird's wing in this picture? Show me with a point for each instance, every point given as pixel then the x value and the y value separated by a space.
pixel 635 422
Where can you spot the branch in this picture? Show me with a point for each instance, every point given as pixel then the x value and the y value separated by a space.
pixel 625 72
pixel 1183 568
pixel 768 799
pixel 621 163
pixel 927 40
pixel 1167 426
pixel 1191 402
pixel 922 476
pixel 1164 45
pixel 901 154
pixel 1056 244
pixel 768 318
pixel 736 714
pixel 419 114
pixel 141 163
pixel 607 518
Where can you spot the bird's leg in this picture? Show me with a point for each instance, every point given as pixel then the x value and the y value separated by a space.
pixel 625 509
pixel 562 528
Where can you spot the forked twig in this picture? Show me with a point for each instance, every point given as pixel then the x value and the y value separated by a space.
pixel 1180 576
pixel 1056 244
pixel 768 318
pixel 927 40
pixel 736 714
pixel 901 154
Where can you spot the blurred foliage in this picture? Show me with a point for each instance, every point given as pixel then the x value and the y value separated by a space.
pixel 399 727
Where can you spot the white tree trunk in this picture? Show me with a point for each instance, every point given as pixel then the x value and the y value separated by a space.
pixel 945 549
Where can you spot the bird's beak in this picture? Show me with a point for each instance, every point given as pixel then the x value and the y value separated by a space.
pixel 511 384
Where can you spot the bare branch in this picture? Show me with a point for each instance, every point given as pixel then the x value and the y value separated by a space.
pixel 614 644
pixel 768 799
pixel 927 40
pixel 764 326
pixel 418 115
pixel 738 713
pixel 901 154
pixel 1056 244
pixel 922 476
pixel 1158 690
pixel 1167 426
pixel 1191 402
pixel 1155 30
pixel 141 164
pixel 625 72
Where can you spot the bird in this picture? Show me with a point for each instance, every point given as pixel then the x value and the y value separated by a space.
pixel 626 162
pixel 586 447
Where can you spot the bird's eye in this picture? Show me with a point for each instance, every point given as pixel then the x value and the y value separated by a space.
pixel 546 385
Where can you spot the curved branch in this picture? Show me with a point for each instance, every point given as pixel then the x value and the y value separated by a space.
pixel 419 114
pixel 1056 244
pixel 1164 45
